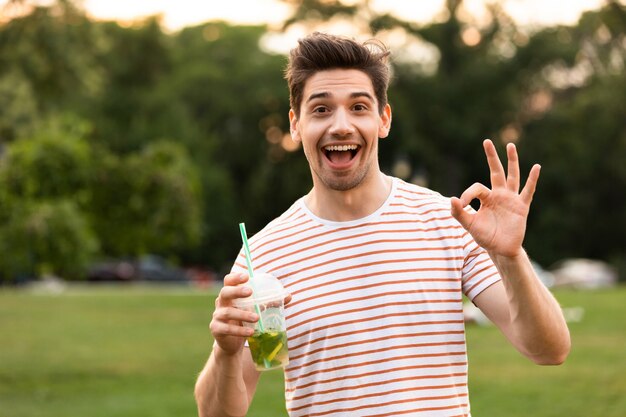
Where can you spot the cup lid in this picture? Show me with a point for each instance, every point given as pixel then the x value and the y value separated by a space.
pixel 265 288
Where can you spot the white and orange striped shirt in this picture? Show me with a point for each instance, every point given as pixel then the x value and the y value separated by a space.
pixel 375 325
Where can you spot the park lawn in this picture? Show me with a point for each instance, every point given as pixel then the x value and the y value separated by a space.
pixel 135 351
pixel 107 351
pixel 591 382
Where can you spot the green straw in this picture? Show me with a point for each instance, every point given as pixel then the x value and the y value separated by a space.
pixel 246 248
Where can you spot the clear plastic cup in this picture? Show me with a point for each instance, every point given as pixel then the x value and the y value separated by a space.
pixel 268 344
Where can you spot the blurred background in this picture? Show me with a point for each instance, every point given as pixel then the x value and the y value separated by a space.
pixel 134 130
pixel 135 136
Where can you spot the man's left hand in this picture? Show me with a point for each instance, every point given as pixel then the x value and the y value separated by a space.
pixel 499 225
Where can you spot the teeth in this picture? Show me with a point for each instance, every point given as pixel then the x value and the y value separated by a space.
pixel 341 148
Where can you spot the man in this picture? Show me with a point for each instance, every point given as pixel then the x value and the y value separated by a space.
pixel 377 267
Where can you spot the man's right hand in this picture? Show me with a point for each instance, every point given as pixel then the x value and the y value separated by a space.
pixel 226 324
pixel 227 383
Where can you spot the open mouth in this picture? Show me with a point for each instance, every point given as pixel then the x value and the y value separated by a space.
pixel 340 154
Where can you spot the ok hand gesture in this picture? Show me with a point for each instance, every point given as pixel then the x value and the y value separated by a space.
pixel 499 224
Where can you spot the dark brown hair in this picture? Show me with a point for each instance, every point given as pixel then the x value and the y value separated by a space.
pixel 320 52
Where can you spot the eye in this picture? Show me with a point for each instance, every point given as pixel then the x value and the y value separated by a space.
pixel 359 107
pixel 320 109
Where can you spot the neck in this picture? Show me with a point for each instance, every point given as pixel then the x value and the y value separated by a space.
pixel 352 204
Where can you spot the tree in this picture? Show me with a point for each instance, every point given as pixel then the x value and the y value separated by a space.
pixel 44 188
pixel 581 141
pixel 213 98
pixel 45 237
pixel 55 163
pixel 62 199
pixel 52 47
pixel 19 113
pixel 557 92
pixel 146 202
pixel 135 65
pixel 235 93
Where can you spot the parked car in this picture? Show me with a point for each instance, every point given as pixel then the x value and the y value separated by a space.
pixel 584 274
pixel 151 268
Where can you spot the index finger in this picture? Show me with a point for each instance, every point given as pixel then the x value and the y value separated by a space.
pixel 232 289
pixel 235 278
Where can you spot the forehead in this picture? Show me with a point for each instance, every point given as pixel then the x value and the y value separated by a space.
pixel 337 82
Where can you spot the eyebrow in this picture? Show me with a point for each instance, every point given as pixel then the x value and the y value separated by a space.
pixel 325 94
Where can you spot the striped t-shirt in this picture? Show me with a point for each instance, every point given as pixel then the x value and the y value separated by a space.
pixel 375 325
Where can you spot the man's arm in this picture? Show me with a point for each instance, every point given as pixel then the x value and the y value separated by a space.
pixel 519 305
pixel 228 381
pixel 526 312
pixel 226 385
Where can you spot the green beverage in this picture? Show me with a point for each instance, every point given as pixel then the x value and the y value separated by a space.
pixel 269 349
pixel 268 344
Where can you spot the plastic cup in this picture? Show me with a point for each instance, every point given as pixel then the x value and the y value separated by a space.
pixel 268 344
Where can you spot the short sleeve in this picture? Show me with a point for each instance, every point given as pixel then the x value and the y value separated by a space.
pixel 239 265
pixel 478 271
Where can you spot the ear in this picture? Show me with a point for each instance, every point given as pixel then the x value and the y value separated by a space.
pixel 293 127
pixel 385 122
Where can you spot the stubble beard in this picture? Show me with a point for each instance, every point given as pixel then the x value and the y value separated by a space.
pixel 338 181
pixel 342 181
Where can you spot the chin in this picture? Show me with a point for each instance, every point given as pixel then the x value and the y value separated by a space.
pixel 344 184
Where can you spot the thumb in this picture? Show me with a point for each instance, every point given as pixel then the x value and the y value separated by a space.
pixel 459 213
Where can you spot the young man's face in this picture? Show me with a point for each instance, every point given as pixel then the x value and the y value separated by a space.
pixel 339 126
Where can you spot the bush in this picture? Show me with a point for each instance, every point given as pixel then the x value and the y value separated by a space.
pixel 48 237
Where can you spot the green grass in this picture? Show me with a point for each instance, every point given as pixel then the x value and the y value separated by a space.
pixel 107 351
pixel 592 381
pixel 136 351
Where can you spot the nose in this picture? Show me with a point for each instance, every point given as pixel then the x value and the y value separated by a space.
pixel 341 124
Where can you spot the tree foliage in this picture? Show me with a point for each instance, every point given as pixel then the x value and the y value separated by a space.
pixel 63 199
pixel 146 202
pixel 187 132
pixel 53 164
pixel 557 92
pixel 45 237
pixel 44 188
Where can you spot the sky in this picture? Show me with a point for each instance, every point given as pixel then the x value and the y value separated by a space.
pixel 180 13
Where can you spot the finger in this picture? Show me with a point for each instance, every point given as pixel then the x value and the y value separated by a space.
pixel 476 190
pixel 458 212
pixel 531 184
pixel 228 314
pixel 235 278
pixel 225 329
pixel 513 177
pixel 496 170
pixel 229 293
